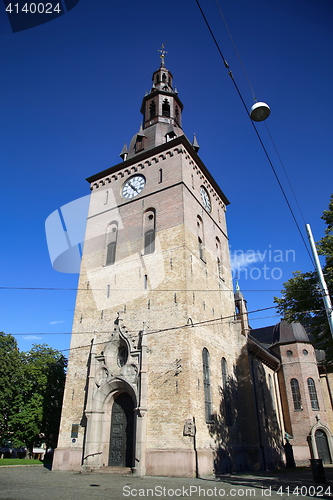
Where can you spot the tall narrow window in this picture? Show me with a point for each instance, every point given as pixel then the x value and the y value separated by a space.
pixel 271 390
pixel 166 108
pixel 145 282
pixel 149 220
pixel 207 388
pixel 219 258
pixel 111 243
pixel 200 248
pixel 149 242
pixel 224 373
pixel 152 110
pixel 313 394
pixel 226 393
pixel 160 178
pixel 296 394
pixel 200 238
pixel 111 254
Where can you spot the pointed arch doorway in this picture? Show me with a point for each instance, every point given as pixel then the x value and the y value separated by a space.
pixel 322 446
pixel 122 431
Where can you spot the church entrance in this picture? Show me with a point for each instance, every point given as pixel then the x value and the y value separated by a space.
pixel 322 446
pixel 122 427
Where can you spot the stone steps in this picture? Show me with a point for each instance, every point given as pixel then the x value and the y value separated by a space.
pixel 117 471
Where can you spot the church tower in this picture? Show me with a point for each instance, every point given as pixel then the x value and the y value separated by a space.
pixel 156 341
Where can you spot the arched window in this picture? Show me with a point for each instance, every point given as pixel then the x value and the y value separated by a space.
pixel 224 373
pixel 313 394
pixel 296 394
pixel 226 392
pixel 207 388
pixel 164 77
pixel 219 258
pixel 111 243
pixel 200 237
pixel 200 248
pixel 150 242
pixel 149 230
pixel 166 108
pixel 152 110
pixel 271 390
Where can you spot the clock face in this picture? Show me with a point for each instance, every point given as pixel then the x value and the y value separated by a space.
pixel 133 186
pixel 205 199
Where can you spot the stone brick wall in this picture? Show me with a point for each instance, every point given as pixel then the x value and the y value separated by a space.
pixel 180 290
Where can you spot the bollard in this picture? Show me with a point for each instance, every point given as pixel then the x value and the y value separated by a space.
pixel 318 472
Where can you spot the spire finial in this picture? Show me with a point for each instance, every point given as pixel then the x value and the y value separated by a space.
pixel 237 284
pixel 163 52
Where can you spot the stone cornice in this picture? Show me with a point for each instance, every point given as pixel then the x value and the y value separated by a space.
pixel 154 155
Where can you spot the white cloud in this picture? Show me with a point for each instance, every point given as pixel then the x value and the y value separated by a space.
pixel 56 322
pixel 32 337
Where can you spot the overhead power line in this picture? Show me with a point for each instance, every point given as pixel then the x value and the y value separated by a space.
pixel 160 330
pixel 254 97
pixel 140 289
pixel 255 128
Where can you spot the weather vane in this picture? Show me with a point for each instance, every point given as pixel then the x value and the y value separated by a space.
pixel 163 52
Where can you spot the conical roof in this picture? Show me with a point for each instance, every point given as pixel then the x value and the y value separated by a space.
pixel 287 333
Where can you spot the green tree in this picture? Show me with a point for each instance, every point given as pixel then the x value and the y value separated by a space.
pixel 11 377
pixel 37 419
pixel 301 296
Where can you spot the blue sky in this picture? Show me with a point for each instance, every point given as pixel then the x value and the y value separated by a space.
pixel 71 94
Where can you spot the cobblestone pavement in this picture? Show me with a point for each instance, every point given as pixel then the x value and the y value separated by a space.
pixel 39 483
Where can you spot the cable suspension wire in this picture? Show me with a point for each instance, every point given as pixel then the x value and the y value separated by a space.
pixel 160 330
pixel 278 155
pixel 174 328
pixel 190 290
pixel 232 40
pixel 255 99
pixel 255 128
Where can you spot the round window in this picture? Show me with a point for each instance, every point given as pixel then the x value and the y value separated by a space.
pixel 305 352
pixel 289 353
pixel 122 356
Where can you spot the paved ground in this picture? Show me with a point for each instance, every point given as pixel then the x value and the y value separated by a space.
pixel 39 483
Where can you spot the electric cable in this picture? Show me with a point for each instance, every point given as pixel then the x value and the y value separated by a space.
pixel 255 128
pixel 190 290
pixel 198 323
pixel 255 99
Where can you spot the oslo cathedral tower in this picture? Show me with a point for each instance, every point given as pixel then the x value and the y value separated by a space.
pixel 156 337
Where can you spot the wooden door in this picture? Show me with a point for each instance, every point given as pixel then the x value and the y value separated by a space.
pixel 322 446
pixel 122 426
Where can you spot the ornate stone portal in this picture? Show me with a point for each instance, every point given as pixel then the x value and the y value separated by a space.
pixel 120 368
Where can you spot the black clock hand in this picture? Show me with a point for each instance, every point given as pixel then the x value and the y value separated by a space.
pixel 130 185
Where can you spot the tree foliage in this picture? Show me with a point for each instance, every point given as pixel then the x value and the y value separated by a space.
pixel 301 296
pixel 10 385
pixel 34 396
